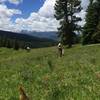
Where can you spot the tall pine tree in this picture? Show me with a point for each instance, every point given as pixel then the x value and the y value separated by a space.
pixel 65 12
pixel 16 45
pixel 96 35
pixel 92 21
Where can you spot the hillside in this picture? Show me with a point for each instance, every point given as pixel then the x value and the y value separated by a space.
pixel 25 38
pixel 49 35
pixel 75 76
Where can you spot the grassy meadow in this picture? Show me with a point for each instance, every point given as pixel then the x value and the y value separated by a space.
pixel 75 76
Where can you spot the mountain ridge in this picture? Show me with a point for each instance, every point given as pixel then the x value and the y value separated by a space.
pixel 48 34
pixel 26 38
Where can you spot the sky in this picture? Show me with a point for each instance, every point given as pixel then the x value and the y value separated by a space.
pixel 31 15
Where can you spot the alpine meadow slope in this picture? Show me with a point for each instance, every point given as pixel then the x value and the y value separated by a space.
pixel 75 76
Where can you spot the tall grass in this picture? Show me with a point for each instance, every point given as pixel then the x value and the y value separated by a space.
pixel 47 77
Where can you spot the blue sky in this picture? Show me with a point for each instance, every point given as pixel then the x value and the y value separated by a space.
pixel 31 15
pixel 27 6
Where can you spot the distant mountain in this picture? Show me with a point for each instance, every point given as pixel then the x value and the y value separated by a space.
pixel 49 35
pixel 27 38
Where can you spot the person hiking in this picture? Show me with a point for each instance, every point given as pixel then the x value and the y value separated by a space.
pixel 60 50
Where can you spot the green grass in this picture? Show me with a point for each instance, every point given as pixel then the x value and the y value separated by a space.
pixel 75 76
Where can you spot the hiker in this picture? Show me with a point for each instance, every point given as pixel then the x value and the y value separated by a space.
pixel 60 50
pixel 28 49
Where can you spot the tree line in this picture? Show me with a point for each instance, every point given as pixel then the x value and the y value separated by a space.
pixel 65 13
pixel 11 43
pixel 18 40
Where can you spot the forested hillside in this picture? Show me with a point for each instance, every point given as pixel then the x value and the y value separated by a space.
pixel 19 40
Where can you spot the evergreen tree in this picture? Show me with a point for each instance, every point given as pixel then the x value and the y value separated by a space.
pixel 92 19
pixel 8 45
pixel 16 45
pixel 4 40
pixel 0 41
pixel 96 35
pixel 65 11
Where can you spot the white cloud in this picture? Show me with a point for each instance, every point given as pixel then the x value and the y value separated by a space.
pixel 16 2
pixel 37 22
pixel 40 21
pixel 82 14
pixel 5 12
pixel 43 20
pixel 2 1
pixel 47 10
pixel 85 4
pixel 5 17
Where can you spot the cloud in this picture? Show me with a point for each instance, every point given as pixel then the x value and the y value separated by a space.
pixel 37 22
pixel 85 4
pixel 5 17
pixel 16 2
pixel 47 10
pixel 82 14
pixel 5 12
pixel 1 1
pixel 43 20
